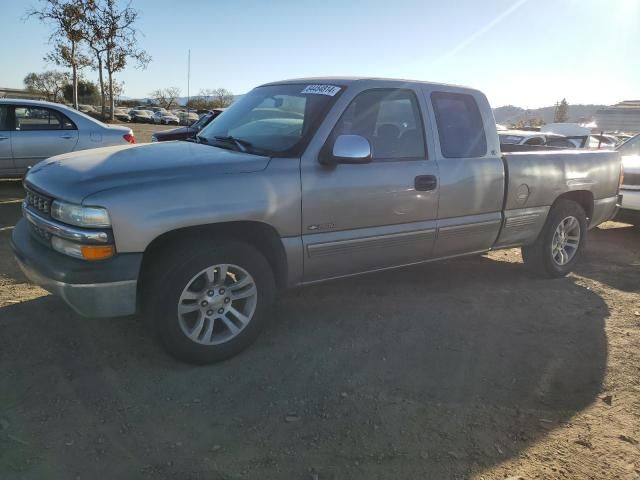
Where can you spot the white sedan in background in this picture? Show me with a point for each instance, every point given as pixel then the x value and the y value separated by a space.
pixel 32 130
pixel 165 118
pixel 526 137
pixel 188 118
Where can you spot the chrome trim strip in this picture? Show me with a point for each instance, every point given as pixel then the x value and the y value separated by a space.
pixel 65 231
pixel 397 240
pixel 464 226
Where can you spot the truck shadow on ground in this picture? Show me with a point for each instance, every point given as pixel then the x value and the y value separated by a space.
pixel 612 257
pixel 438 371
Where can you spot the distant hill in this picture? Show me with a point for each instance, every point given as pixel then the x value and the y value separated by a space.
pixel 577 113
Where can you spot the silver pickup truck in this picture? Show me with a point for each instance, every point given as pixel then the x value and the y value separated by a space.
pixel 298 182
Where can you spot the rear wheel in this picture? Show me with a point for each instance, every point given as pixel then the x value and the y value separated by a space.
pixel 560 244
pixel 209 302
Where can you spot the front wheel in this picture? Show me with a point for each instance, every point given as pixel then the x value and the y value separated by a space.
pixel 210 301
pixel 560 244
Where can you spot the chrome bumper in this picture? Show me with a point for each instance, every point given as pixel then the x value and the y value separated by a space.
pixel 80 235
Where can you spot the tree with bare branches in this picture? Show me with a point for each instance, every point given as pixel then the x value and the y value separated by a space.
pixel 105 28
pixel 67 19
pixel 217 97
pixel 166 97
pixel 113 29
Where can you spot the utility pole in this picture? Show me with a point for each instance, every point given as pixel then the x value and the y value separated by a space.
pixel 188 79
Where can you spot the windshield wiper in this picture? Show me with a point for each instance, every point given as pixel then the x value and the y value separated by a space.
pixel 242 145
pixel 205 141
pixel 226 142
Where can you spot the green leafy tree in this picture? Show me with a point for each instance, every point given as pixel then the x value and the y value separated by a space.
pixel 88 92
pixel 562 112
pixel 49 84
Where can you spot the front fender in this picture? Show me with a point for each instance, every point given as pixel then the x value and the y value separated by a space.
pixel 141 213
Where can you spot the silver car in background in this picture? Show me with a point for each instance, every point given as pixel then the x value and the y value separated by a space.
pixel 32 130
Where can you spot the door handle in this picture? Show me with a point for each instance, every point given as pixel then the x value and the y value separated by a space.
pixel 66 137
pixel 4 138
pixel 424 183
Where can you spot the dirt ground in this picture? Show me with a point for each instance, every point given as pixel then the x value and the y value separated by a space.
pixel 467 369
pixel 143 131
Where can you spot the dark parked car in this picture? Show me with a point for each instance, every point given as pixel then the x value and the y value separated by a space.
pixel 141 116
pixel 184 133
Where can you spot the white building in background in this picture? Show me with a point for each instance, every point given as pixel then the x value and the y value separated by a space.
pixel 622 117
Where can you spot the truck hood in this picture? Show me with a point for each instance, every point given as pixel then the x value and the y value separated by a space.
pixel 74 176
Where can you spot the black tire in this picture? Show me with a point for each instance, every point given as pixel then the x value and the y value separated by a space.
pixel 173 272
pixel 539 258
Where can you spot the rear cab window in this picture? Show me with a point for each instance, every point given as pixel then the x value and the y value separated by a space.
pixel 460 126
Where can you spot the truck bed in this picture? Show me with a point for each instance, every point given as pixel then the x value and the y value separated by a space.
pixel 533 179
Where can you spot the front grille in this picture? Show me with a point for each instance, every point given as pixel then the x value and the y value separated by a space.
pixel 631 179
pixel 37 201
pixel 40 233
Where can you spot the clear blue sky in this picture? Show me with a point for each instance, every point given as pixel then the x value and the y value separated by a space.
pixel 524 52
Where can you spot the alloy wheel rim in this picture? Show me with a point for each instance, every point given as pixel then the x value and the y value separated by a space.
pixel 217 304
pixel 566 240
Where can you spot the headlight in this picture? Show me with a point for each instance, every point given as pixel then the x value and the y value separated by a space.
pixel 79 215
pixel 85 252
pixel 154 138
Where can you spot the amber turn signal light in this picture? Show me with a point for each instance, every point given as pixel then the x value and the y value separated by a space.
pixel 97 252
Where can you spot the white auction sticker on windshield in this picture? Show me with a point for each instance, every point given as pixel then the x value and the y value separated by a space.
pixel 330 90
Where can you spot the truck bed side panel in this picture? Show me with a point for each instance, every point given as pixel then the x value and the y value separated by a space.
pixel 537 179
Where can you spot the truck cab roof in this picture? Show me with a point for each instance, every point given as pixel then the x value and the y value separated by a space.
pixel 368 82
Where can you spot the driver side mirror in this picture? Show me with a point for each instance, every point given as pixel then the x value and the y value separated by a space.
pixel 350 149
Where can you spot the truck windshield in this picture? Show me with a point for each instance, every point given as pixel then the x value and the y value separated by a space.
pixel 202 121
pixel 276 120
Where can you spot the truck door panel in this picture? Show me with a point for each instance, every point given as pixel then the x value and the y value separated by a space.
pixel 471 173
pixel 365 217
